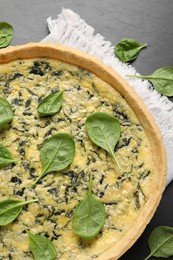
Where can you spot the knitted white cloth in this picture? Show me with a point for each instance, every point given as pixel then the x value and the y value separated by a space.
pixel 70 29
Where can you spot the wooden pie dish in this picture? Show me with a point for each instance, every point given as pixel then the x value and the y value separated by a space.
pixel 139 203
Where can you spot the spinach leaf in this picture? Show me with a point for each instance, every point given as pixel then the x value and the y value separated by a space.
pixel 10 209
pixel 128 49
pixel 6 113
pixel 161 242
pixel 89 216
pixel 51 104
pixel 6 34
pixel 41 247
pixel 161 79
pixel 6 158
pixel 56 154
pixel 104 130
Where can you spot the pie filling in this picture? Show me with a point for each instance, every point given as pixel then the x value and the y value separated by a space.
pixel 24 83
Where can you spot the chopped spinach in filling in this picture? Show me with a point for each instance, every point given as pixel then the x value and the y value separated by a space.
pixel 25 83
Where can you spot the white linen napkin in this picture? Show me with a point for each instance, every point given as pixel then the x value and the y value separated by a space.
pixel 70 29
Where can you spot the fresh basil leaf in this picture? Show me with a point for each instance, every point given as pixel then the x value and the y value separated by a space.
pixel 128 49
pixel 6 113
pixel 56 154
pixel 6 158
pixel 6 34
pixel 104 130
pixel 41 247
pixel 51 104
pixel 89 216
pixel 161 79
pixel 10 209
pixel 161 242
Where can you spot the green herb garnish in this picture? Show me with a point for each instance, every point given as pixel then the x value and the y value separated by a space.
pixel 104 130
pixel 6 158
pixel 89 216
pixel 10 209
pixel 56 154
pixel 161 242
pixel 128 49
pixel 6 113
pixel 51 104
pixel 161 79
pixel 6 34
pixel 41 247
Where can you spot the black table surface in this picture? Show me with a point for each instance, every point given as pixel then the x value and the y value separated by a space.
pixel 148 21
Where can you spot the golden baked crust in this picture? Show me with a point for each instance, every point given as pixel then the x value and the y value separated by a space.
pixel 108 75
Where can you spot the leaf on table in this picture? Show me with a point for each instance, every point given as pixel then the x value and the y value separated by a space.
pixel 6 34
pixel 128 49
pixel 161 242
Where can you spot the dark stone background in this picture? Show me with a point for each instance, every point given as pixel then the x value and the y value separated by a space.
pixel 148 21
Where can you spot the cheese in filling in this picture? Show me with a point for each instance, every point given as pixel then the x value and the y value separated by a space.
pixel 24 83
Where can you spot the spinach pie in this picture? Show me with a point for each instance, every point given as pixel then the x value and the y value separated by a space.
pixel 130 190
